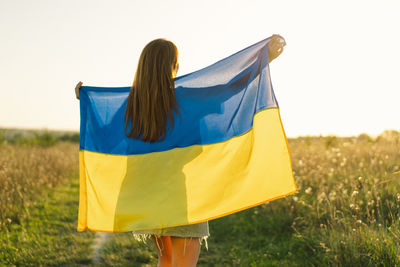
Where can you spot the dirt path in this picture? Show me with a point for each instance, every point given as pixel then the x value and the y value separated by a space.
pixel 97 246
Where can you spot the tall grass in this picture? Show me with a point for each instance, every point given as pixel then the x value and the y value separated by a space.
pixel 348 207
pixel 26 172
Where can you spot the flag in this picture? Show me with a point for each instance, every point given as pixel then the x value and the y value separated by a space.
pixel 226 153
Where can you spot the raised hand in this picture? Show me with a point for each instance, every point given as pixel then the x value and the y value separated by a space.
pixel 77 87
pixel 275 46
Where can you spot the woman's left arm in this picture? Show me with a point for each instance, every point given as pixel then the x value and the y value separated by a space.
pixel 77 87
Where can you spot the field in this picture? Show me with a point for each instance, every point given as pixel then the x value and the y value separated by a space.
pixel 345 214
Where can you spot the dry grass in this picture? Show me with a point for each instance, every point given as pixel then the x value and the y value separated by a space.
pixel 27 172
pixel 349 200
pixel 351 182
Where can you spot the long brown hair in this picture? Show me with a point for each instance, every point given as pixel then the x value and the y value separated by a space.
pixel 152 98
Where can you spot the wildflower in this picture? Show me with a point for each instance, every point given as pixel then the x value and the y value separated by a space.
pixel 359 221
pixel 295 198
pixel 321 197
pixel 308 190
pixel 355 193
pixel 351 206
pixel 360 178
pixel 354 230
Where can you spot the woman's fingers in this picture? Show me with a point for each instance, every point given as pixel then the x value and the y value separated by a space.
pixel 77 87
pixel 275 46
pixel 277 43
pixel 276 38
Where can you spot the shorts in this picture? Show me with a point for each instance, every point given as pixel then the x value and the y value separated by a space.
pixel 200 230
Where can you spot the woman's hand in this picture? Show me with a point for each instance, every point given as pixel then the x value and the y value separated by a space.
pixel 77 87
pixel 275 46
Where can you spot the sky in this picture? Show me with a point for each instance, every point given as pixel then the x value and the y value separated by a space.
pixel 337 74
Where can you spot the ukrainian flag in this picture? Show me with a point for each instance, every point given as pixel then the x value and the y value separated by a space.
pixel 228 151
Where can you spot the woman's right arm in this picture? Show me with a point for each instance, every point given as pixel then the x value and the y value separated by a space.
pixel 275 46
pixel 77 87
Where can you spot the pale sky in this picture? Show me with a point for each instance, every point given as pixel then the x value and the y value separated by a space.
pixel 338 73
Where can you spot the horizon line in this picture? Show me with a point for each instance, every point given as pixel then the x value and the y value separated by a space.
pixel 74 130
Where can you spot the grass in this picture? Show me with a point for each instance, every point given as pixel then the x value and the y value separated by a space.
pixel 121 250
pixel 345 214
pixel 27 171
pixel 38 208
pixel 48 236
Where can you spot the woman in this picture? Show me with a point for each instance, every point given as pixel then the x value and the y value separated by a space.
pixel 150 104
